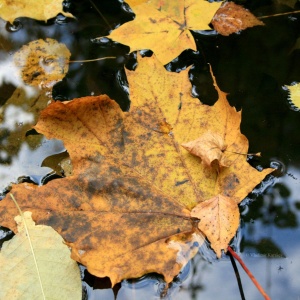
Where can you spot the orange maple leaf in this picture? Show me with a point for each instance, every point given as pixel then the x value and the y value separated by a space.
pixel 129 206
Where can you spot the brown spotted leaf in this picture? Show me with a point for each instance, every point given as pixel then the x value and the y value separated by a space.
pixel 117 222
pixel 166 96
pixel 232 18
pixel 219 219
pixel 126 208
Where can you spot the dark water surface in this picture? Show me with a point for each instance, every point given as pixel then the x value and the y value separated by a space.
pixel 252 67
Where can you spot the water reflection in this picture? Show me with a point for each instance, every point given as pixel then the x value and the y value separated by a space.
pixel 9 74
pixel 28 162
pixel 148 287
pixel 15 26
pixel 152 288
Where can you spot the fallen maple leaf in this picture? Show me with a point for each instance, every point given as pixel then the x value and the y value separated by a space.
pixel 38 265
pixel 166 96
pixel 126 209
pixel 117 223
pixel 164 26
pixel 219 219
pixel 10 10
pixel 232 18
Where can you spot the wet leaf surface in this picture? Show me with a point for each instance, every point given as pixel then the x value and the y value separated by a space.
pixel 42 63
pixel 10 10
pixel 126 209
pixel 232 18
pixel 164 27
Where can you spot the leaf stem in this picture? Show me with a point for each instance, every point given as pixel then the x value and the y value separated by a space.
pixel 29 239
pixel 258 286
pixel 281 14
pixel 90 60
pixel 237 275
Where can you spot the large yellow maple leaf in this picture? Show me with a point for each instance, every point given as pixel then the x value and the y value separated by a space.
pixel 164 26
pixel 166 96
pixel 138 201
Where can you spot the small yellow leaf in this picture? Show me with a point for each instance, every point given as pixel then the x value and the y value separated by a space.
pixel 219 219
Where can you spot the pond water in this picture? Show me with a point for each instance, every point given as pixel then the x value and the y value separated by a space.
pixel 252 67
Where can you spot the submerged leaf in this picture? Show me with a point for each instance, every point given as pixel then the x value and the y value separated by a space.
pixel 42 63
pixel 290 3
pixel 17 116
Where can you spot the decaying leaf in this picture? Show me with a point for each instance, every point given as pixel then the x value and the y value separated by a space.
pixel 232 18
pixel 209 147
pixel 126 209
pixel 166 96
pixel 164 26
pixel 58 276
pixel 116 222
pixel 42 63
pixel 294 95
pixel 45 10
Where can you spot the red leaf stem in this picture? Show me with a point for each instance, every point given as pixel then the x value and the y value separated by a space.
pixel 249 273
